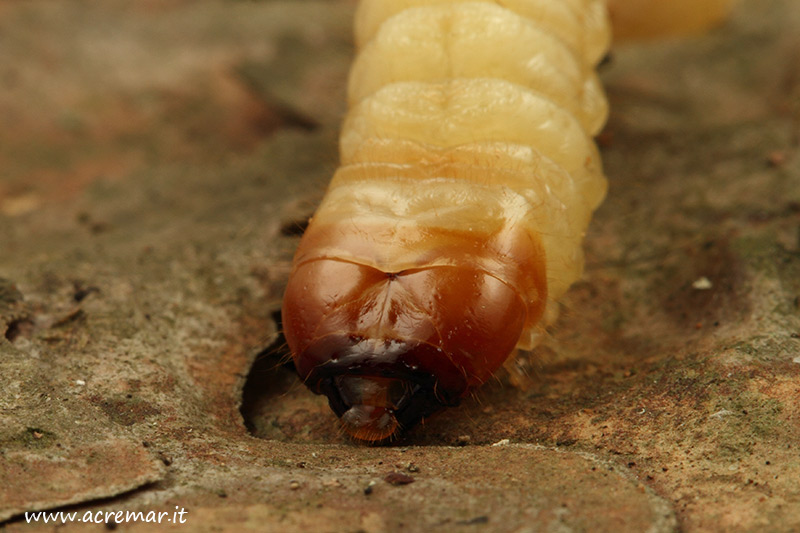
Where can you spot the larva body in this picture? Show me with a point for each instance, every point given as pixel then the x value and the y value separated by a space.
pixel 468 176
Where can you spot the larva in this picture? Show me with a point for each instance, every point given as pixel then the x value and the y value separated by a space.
pixel 468 177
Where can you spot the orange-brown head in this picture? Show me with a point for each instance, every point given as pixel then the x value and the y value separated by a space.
pixel 389 349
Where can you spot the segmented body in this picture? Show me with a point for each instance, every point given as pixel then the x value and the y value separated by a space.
pixel 455 222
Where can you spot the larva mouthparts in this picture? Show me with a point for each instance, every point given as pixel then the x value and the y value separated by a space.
pixel 455 221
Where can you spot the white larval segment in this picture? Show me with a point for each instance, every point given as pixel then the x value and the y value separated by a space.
pixel 581 24
pixel 442 42
pixel 474 115
pixel 461 111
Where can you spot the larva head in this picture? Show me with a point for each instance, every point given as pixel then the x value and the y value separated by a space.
pixel 389 349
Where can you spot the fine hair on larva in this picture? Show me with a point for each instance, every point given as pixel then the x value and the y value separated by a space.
pixel 455 222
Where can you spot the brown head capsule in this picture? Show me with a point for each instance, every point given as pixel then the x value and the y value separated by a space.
pixel 388 349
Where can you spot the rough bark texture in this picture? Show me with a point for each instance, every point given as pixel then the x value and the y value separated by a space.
pixel 157 160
